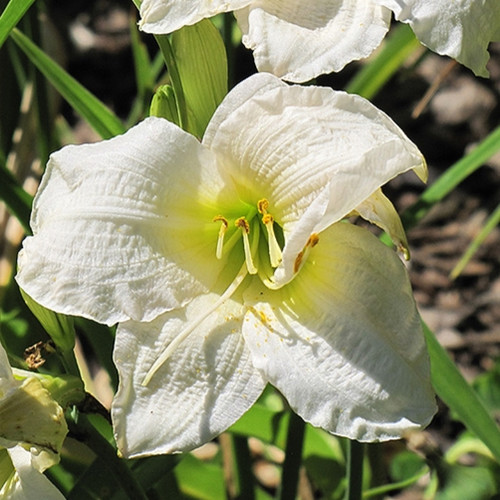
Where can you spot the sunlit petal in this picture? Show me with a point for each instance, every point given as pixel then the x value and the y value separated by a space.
pixel 343 341
pixel 205 386
pixel 166 16
pixel 461 29
pixel 314 153
pixel 299 40
pixel 122 228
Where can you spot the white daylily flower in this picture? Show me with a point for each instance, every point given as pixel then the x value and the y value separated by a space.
pixel 228 266
pixel 292 39
pixel 298 40
pixel 461 29
pixel 32 430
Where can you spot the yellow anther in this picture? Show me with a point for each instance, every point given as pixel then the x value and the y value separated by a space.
pixel 267 218
pixel 312 241
pixel 242 223
pixel 222 232
pixel 262 206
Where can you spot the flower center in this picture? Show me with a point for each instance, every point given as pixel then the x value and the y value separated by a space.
pixel 249 228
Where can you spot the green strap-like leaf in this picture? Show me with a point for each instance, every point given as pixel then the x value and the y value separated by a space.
pixel 491 223
pixel 12 14
pixel 454 390
pixel 374 75
pixel 452 178
pixel 18 201
pixel 99 117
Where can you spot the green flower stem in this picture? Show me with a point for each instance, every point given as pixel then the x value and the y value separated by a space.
pixel 82 429
pixel 69 363
pixel 293 457
pixel 243 468
pixel 168 55
pixel 354 472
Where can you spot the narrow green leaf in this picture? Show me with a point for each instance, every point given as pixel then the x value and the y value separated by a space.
pixel 142 62
pixel 200 480
pixel 18 201
pixel 376 73
pixel 452 178
pixel 201 60
pixel 175 79
pixel 60 327
pixel 12 14
pixel 99 117
pixel 491 223
pixel 454 390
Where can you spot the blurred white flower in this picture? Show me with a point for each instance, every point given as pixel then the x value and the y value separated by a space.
pixel 461 29
pixel 298 40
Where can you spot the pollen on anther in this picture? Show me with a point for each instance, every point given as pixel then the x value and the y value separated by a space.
pixel 262 206
pixel 222 232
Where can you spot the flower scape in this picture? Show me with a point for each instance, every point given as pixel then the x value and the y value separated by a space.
pixel 230 263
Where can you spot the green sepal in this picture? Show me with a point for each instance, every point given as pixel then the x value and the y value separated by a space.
pixel 201 61
pixel 67 390
pixel 59 327
pixel 164 104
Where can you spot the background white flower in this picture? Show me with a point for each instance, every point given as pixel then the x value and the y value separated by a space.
pixel 298 40
pixel 461 29
pixel 32 429
pixel 292 39
pixel 148 229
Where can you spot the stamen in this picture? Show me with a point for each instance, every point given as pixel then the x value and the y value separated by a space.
pixel 245 229
pixel 275 255
pixel 222 232
pixel 262 206
pixel 312 241
pixel 165 355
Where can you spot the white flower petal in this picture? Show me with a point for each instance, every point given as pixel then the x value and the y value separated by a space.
pixel 123 228
pixel 30 483
pixel 343 341
pixel 315 154
pixel 6 377
pixel 379 210
pixel 205 386
pixel 299 40
pixel 166 16
pixel 461 29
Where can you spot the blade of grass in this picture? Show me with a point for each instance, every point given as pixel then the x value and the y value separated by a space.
pixel 459 396
pixel 374 75
pixel 99 117
pixel 452 178
pixel 491 223
pixel 12 14
pixel 18 201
